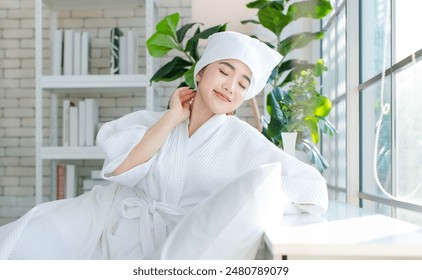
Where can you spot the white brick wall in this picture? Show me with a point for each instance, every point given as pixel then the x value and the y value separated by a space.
pixel 17 100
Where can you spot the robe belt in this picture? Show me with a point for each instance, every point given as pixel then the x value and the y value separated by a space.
pixel 148 210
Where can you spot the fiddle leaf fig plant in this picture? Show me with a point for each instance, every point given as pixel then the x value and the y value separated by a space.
pixel 294 102
pixel 169 37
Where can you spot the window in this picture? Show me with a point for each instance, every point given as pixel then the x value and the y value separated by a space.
pixel 334 87
pixel 390 118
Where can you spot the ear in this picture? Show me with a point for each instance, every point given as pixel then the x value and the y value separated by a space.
pixel 199 75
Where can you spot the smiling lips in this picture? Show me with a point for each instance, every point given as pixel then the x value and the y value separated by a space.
pixel 222 96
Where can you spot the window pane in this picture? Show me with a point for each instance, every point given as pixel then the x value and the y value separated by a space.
pixel 409 132
pixel 373 25
pixel 407 24
pixel 341 143
pixel 329 54
pixel 329 152
pixel 376 207
pixel 341 53
pixel 376 160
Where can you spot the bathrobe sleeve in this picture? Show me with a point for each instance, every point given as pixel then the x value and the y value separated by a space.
pixel 117 138
pixel 304 187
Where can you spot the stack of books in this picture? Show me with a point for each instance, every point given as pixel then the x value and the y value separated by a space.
pixel 66 184
pixel 80 122
pixel 70 52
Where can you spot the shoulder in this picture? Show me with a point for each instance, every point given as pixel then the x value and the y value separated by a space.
pixel 142 117
pixel 250 135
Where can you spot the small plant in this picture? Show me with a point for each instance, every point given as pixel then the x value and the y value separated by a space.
pixel 302 109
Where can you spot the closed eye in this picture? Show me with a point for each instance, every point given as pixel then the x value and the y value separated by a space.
pixel 222 72
pixel 242 86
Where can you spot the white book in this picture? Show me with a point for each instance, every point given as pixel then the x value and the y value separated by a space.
pixel 130 52
pixel 123 54
pixel 136 56
pixel 56 53
pixel 85 45
pixel 70 186
pixel 91 107
pixel 76 53
pixel 81 120
pixel 73 126
pixel 68 53
pixel 65 127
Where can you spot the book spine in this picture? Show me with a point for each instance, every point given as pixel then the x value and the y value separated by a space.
pixel 68 53
pixel 115 35
pixel 60 181
pixel 81 121
pixel 77 53
pixel 70 181
pixel 73 126
pixel 56 53
pixel 65 127
pixel 85 45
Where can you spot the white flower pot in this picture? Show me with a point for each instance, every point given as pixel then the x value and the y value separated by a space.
pixel 289 142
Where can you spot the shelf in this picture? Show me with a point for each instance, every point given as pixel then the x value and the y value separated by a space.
pixel 94 82
pixel 72 153
pixel 84 85
pixel 92 4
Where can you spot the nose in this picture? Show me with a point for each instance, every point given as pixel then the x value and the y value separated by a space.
pixel 229 85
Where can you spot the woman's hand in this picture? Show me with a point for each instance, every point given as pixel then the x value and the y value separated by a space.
pixel 180 103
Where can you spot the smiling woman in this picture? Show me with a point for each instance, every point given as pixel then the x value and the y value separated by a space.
pixel 163 165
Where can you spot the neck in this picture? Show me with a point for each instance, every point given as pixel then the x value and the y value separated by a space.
pixel 199 115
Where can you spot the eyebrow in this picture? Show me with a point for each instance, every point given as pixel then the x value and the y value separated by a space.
pixel 233 68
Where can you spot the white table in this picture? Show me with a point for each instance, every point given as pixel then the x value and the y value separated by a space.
pixel 343 232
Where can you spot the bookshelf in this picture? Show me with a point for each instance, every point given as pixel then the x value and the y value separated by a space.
pixel 56 85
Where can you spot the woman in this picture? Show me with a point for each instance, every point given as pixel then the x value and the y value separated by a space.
pixel 163 164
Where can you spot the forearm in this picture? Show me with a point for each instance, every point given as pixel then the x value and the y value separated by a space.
pixel 150 143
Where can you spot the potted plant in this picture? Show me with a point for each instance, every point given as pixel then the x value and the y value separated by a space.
pixel 167 38
pixel 294 102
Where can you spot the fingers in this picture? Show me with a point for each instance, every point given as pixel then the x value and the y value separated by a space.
pixel 185 94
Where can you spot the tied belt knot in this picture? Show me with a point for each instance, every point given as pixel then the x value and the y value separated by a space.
pixel 153 216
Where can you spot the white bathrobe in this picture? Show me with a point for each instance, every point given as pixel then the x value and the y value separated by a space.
pixel 131 218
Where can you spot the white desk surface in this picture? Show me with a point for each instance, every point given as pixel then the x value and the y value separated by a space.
pixel 344 231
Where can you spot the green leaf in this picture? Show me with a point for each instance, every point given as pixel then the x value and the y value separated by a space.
pixel 273 19
pixel 274 128
pixel 204 35
pixel 294 64
pixel 319 68
pixel 316 9
pixel 254 21
pixel 323 108
pixel 327 127
pixel 189 79
pixel 168 25
pixel 171 70
pixel 312 124
pixel 312 153
pixel 193 48
pixel 183 30
pixel 297 41
pixel 273 105
pixel 257 4
pixel 159 44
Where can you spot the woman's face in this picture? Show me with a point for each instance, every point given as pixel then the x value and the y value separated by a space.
pixel 223 85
